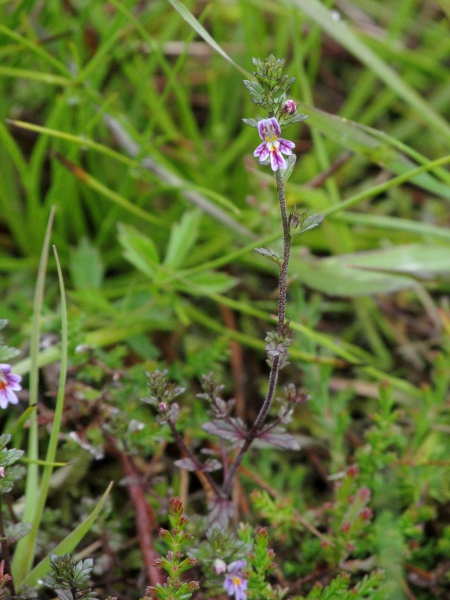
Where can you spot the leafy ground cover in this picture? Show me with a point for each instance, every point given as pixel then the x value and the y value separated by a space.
pixel 127 118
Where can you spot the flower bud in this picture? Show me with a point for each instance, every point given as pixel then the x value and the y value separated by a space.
pixel 220 566
pixel 289 107
pixel 353 471
pixel 364 494
pixel 366 514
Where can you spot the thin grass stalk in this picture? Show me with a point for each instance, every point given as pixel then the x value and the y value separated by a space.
pixel 24 553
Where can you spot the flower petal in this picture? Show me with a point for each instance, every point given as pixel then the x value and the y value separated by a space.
pixel 261 152
pixel 272 123
pixel 286 145
pixel 277 161
pixel 237 565
pixel 11 396
pixel 262 128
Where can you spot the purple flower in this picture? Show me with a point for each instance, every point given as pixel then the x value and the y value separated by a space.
pixel 8 385
pixel 273 145
pixel 234 581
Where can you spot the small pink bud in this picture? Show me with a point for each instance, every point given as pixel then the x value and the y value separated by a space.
pixel 162 407
pixel 345 527
pixel 261 532
pixel 366 514
pixel 364 494
pixel 353 471
pixel 2 472
pixel 220 566
pixel 289 107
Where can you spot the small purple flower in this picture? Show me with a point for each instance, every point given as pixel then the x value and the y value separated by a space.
pixel 273 145
pixel 234 581
pixel 289 107
pixel 9 384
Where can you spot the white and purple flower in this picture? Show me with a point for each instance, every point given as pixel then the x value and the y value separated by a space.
pixel 273 145
pixel 235 583
pixel 9 384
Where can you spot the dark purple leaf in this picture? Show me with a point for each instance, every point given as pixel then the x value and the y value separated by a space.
pixel 187 463
pixel 233 431
pixel 277 436
pixel 211 464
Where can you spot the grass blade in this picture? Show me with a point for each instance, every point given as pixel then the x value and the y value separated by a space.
pixel 23 555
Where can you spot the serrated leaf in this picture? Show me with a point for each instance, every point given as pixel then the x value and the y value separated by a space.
pixel 277 436
pixel 183 236
pixel 310 222
pixel 64 594
pixel 187 464
pixel 232 430
pixel 9 457
pixel 251 122
pixel 212 464
pixel 295 119
pixel 270 254
pixel 4 439
pixel 139 249
pixel 17 531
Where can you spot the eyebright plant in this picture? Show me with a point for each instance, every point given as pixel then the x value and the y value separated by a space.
pixel 270 92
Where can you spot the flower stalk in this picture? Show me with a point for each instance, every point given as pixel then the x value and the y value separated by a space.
pixel 270 92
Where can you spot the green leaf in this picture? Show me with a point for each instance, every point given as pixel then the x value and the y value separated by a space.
pixel 272 255
pixel 290 162
pixel 139 249
pixel 182 238
pixel 209 282
pixel 69 543
pixel 86 266
pixel 375 272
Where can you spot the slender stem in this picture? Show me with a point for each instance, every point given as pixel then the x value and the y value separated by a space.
pixel 274 371
pixel 286 251
pixel 199 467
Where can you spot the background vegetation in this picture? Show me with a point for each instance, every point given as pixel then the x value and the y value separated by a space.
pixel 126 116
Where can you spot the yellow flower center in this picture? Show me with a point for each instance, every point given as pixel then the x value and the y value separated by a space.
pixel 272 143
pixel 237 580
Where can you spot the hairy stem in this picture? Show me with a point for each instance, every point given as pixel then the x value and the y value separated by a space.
pixel 274 371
